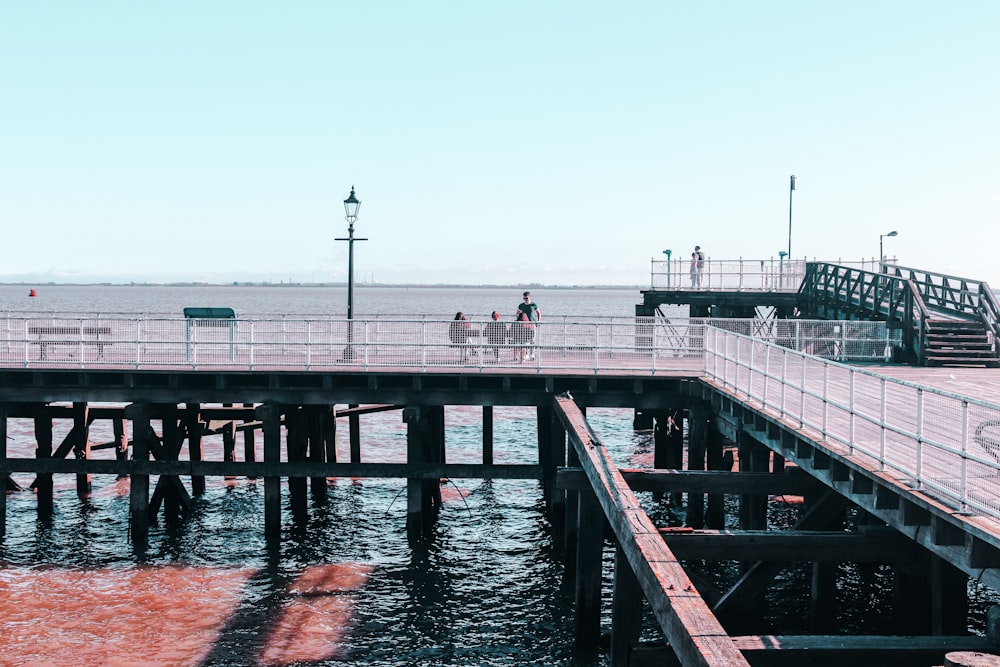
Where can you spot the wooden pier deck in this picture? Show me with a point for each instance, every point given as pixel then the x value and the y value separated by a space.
pixel 892 462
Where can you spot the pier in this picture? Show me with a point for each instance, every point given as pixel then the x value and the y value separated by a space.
pixel 871 393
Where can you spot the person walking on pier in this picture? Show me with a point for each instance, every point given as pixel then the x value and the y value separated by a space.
pixel 532 314
pixel 495 333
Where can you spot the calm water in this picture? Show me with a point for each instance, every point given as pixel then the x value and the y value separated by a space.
pixel 476 303
pixel 486 589
pixel 346 589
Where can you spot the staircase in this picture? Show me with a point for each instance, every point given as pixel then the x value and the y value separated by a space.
pixel 959 343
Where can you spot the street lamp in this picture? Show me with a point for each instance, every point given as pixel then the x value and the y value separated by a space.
pixel 667 253
pixel 881 257
pixel 791 189
pixel 351 206
pixel 781 268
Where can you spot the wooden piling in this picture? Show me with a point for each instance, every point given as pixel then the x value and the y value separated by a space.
pixel 317 450
pixel 354 434
pixel 488 434
pixel 551 454
pixel 269 415
pixel 43 481
pixel 229 443
pixel 194 435
pixel 120 429
pixel 81 446
pixel 697 443
pixel 4 474
pixel 589 553
pixel 626 610
pixel 297 442
pixel 249 437
pixel 139 484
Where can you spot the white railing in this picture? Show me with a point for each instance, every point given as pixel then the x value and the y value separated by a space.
pixel 943 444
pixel 739 275
pixel 601 344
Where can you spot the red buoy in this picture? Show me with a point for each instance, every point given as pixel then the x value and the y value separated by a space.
pixel 32 293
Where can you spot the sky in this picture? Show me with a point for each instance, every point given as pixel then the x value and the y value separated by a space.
pixel 557 143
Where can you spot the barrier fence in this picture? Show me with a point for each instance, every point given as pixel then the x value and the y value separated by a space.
pixel 945 444
pixel 601 344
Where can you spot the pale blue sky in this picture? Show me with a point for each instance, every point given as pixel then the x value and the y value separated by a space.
pixel 550 142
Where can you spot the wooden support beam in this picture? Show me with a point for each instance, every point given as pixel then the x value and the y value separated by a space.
pixel 317 450
pixel 626 610
pixel 195 428
pixel 43 482
pixel 4 472
pixel 759 576
pixel 270 416
pixel 696 636
pixel 794 481
pixel 139 483
pixel 121 442
pixel 487 434
pixel 869 546
pixel 589 552
pixel 81 446
pixel 830 650
pixel 297 442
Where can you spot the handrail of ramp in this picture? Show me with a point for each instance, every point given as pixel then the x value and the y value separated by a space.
pixel 835 289
pixel 944 444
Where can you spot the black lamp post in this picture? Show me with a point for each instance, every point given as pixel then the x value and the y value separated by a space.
pixel 351 206
pixel 791 189
pixel 881 257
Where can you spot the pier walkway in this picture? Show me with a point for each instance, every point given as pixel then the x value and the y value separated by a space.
pixel 897 464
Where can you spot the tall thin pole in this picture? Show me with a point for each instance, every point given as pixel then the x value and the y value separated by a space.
pixel 791 189
pixel 351 206
pixel 350 271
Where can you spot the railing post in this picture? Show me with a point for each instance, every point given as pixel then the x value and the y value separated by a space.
pixel 850 402
pixel 882 410
pixel 963 491
pixel 918 471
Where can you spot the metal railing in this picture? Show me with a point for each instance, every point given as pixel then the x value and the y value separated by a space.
pixel 762 275
pixel 600 344
pixel 944 444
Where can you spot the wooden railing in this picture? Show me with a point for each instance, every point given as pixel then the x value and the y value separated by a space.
pixel 960 297
pixel 836 290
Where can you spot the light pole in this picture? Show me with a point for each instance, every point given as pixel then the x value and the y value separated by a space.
pixel 351 206
pixel 667 253
pixel 791 189
pixel 881 257
pixel 781 268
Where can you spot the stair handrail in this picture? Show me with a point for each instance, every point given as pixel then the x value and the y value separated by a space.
pixel 895 298
pixel 990 312
pixel 952 294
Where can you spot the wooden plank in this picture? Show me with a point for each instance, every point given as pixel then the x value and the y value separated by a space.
pixel 689 625
pixel 883 546
pixel 794 481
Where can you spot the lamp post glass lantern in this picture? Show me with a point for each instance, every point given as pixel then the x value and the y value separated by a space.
pixel 351 206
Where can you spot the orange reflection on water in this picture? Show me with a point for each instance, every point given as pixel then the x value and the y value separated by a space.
pixel 144 616
pixel 315 623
